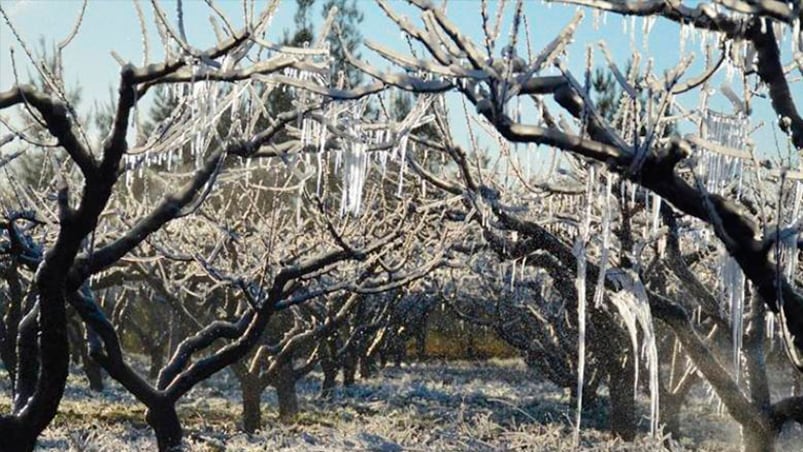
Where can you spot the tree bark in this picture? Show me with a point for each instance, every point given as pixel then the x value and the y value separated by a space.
pixel 157 362
pixel 670 414
pixel 93 372
pixel 11 322
pixel 163 419
pixel 621 373
pixel 27 359
pixel 15 437
pixel 329 368
pixel 285 385
pixel 757 441
pixel 349 367
pixel 252 411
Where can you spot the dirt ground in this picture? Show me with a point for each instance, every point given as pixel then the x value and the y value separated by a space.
pixel 477 406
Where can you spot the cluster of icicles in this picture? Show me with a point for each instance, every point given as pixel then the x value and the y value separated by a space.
pixel 725 170
pixel 193 126
pixel 741 55
pixel 382 144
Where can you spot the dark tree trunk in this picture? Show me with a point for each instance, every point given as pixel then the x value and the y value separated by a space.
pixel 670 414
pixel 93 371
pixel 28 359
pixel 367 365
pixel 285 384
pixel 157 362
pixel 329 368
pixel 757 441
pixel 11 323
pixel 164 421
pixel 421 343
pixel 15 437
pixel 349 367
pixel 53 366
pixel 329 381
pixel 621 377
pixel 252 410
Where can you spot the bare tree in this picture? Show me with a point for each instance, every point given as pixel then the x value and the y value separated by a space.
pixel 633 144
pixel 89 226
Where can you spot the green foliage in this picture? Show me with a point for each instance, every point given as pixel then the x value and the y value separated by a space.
pixel 607 93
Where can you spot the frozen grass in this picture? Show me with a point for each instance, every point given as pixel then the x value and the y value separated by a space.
pixel 494 405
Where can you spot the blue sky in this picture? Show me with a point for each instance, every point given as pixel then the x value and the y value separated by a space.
pixel 112 25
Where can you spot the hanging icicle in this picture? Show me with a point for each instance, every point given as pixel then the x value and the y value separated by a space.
pixel 580 284
pixel 733 283
pixel 605 205
pixel 354 173
pixel 634 307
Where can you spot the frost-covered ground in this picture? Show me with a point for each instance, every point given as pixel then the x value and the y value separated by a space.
pixel 495 405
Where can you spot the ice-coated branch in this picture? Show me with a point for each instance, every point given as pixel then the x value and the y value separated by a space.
pixel 204 74
pixel 166 211
pixel 104 346
pixel 703 15
pixel 253 321
pixel 754 28
pixel 770 69
pixel 58 119
pixel 657 170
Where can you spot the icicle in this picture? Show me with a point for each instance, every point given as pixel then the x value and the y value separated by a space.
pixel 319 177
pixel 512 274
pixel 796 222
pixel 770 319
pixel 634 307
pixel 579 252
pixel 599 292
pixel 402 162
pixel 580 283
pixel 684 30
pixel 523 266
pixel 647 24
pixel 299 198
pixel 354 173
pixel 733 285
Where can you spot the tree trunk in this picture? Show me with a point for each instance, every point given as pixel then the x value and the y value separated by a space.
pixel 421 343
pixel 11 323
pixel 252 410
pixel 367 365
pixel 157 361
pixel 757 441
pixel 621 373
pixel 329 368
pixel 27 360
pixel 164 421
pixel 14 437
pixel 670 414
pixel 94 373
pixel 285 384
pixel 92 370
pixel 349 367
